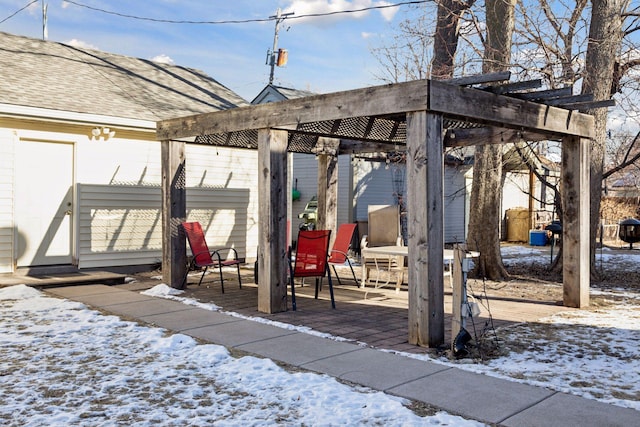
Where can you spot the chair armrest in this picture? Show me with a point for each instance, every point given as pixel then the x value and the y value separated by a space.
pixel 228 249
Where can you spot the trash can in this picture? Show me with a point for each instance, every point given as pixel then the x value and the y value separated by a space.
pixel 537 237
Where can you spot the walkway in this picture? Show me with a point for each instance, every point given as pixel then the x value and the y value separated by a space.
pixel 456 391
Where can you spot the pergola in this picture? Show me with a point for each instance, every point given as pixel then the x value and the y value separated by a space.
pixel 421 117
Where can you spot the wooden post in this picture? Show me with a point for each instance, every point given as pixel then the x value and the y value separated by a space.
pixel 174 212
pixel 272 208
pixel 425 172
pixel 328 186
pixel 458 292
pixel 575 221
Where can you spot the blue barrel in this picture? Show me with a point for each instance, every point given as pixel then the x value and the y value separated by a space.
pixel 537 237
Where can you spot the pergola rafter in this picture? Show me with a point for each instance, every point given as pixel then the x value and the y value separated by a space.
pixel 420 117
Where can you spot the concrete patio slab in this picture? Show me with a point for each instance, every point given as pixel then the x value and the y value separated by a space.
pixel 190 318
pixel 144 308
pixel 374 368
pixel 107 299
pixel 564 410
pixel 74 291
pixel 298 348
pixel 236 334
pixel 476 396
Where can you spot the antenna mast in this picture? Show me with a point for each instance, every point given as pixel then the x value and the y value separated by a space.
pixel 279 17
pixel 45 30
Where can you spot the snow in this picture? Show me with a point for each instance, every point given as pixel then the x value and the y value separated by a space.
pixel 63 364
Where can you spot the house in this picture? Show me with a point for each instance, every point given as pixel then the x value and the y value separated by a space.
pixel 81 167
pixel 370 179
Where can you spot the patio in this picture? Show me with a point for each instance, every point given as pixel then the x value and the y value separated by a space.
pixel 377 317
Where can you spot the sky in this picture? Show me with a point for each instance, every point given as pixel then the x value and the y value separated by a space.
pixel 325 54
pixel 63 364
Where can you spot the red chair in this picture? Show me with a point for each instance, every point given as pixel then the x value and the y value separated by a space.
pixel 204 258
pixel 311 260
pixel 339 252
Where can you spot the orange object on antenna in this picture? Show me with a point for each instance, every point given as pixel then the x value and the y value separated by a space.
pixel 283 56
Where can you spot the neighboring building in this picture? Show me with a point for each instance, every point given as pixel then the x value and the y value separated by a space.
pixel 80 176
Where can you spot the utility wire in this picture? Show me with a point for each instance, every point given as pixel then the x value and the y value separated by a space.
pixel 18 11
pixel 242 21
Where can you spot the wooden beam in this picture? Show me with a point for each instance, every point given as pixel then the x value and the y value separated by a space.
pixel 371 101
pixel 503 111
pixel 358 147
pixel 575 221
pixel 174 213
pixel 499 76
pixel 513 87
pixel 272 209
pixel 425 171
pixel 545 94
pixel 490 135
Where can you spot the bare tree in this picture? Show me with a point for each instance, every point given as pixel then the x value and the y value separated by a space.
pixel 486 193
pixel 445 39
pixel 605 38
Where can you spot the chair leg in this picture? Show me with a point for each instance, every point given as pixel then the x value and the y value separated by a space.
pixel 221 277
pixel 317 286
pixel 336 273
pixel 333 301
pixel 352 272
pixel 239 278
pixel 293 289
pixel 202 277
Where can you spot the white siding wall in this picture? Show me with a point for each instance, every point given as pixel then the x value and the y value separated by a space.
pixel 121 224
pixel 305 170
pixel 377 185
pixel 454 205
pixel 7 139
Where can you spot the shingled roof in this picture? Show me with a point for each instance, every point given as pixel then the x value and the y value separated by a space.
pixel 57 76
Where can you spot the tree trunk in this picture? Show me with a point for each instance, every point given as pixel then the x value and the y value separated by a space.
pixel 486 193
pixel 605 38
pixel 445 39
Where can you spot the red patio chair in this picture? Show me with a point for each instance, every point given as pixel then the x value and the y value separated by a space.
pixel 204 258
pixel 339 251
pixel 311 260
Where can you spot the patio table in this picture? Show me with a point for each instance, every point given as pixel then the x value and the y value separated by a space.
pixel 404 251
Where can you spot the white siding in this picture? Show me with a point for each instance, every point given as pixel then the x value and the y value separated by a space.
pixel 454 205
pixel 6 200
pixel 305 170
pixel 118 225
pixel 122 225
pixel 373 186
pixel 377 185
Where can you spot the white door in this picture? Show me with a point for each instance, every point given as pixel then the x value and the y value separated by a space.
pixel 44 203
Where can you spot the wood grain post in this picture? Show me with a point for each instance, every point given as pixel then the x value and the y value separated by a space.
pixel 272 231
pixel 425 173
pixel 458 292
pixel 328 187
pixel 174 212
pixel 575 221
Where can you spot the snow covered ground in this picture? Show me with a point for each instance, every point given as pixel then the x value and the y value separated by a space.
pixel 63 364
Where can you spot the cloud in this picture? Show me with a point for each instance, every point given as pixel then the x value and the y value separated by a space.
pixel 81 44
pixel 163 59
pixel 367 35
pixel 316 7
